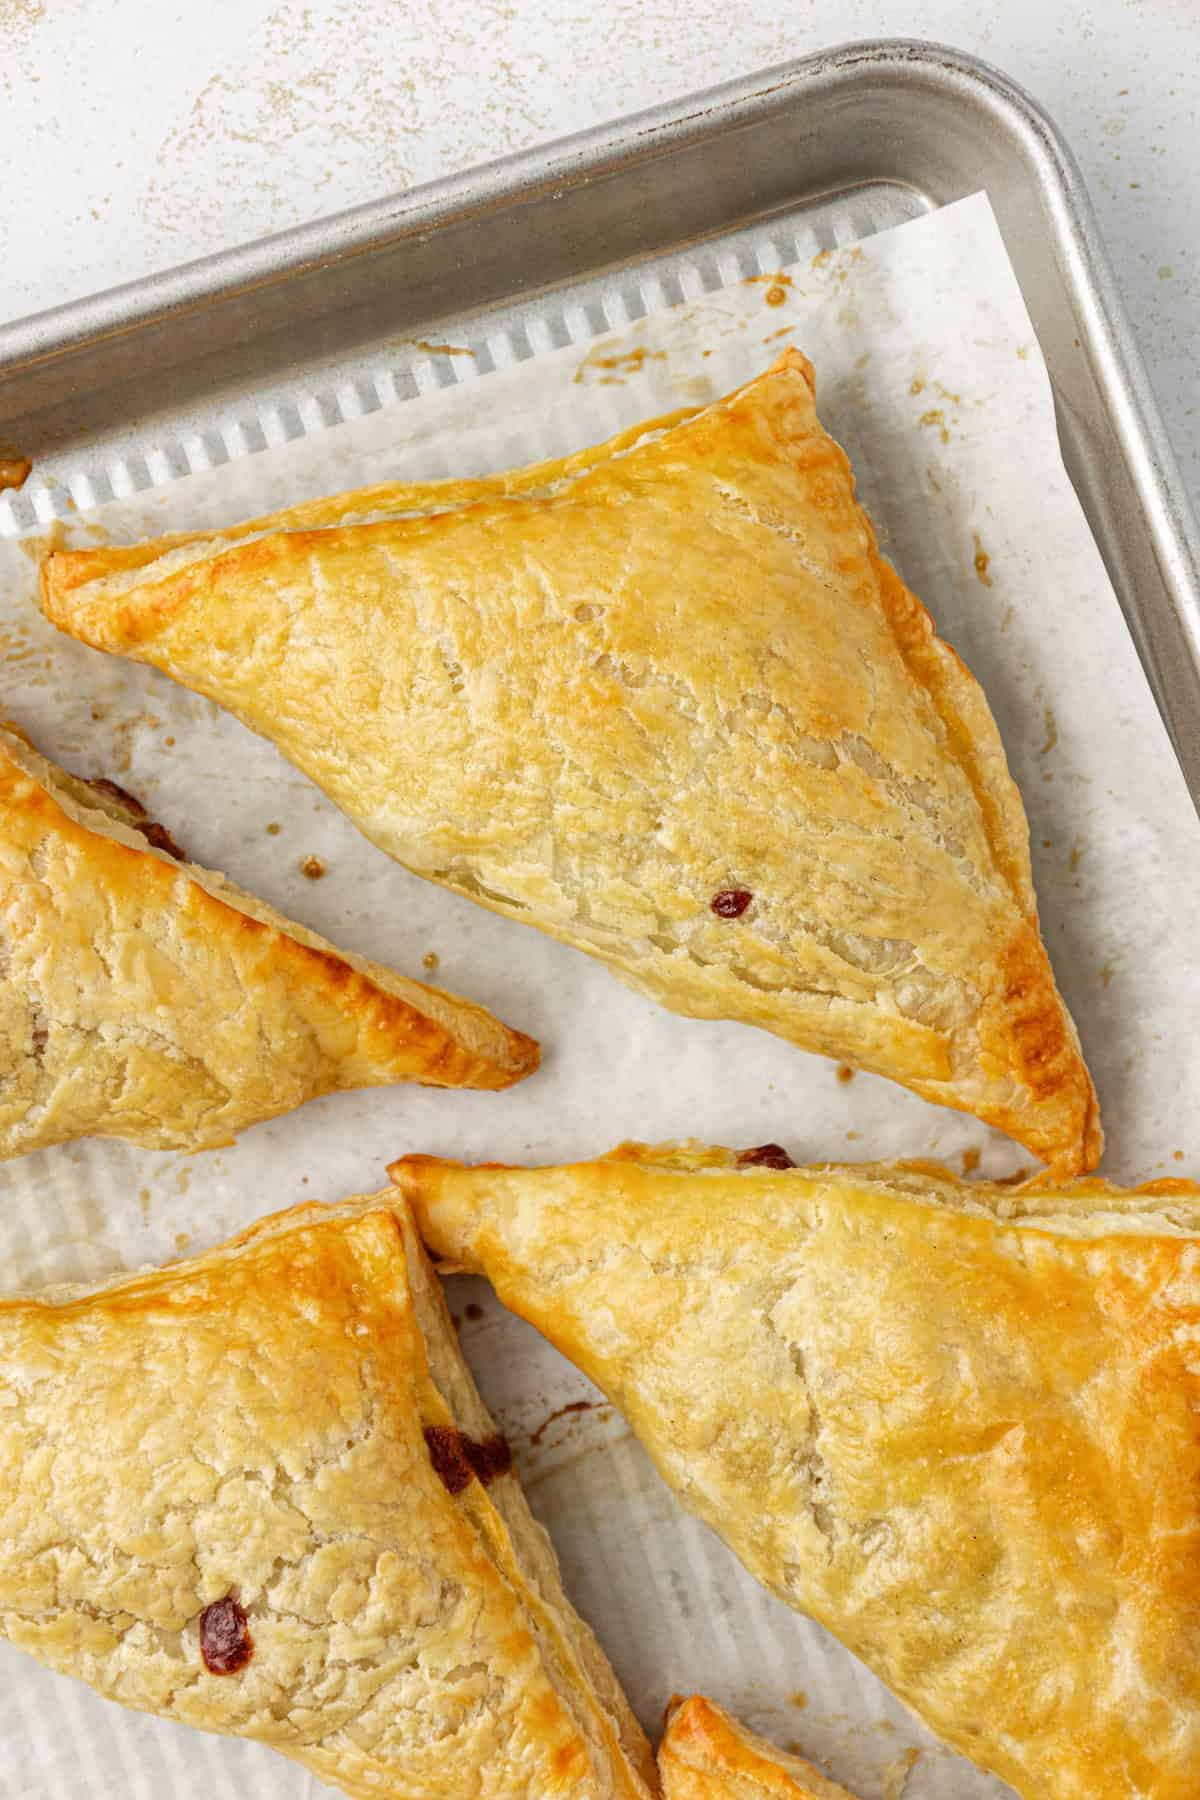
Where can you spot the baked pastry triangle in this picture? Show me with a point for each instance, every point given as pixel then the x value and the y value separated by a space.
pixel 666 702
pixel 955 1422
pixel 148 999
pixel 706 1755
pixel 258 1493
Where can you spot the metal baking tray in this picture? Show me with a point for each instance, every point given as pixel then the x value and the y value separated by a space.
pixel 212 360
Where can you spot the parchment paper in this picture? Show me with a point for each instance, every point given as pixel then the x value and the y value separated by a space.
pixel 929 373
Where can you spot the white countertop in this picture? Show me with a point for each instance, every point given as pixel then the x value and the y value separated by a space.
pixel 141 133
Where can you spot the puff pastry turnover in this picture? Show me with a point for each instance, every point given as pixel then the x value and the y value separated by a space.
pixel 258 1493
pixel 954 1422
pixel 706 1755
pixel 148 999
pixel 665 701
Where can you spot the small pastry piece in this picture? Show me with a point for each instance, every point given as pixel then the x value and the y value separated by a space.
pixel 144 998
pixel 258 1493
pixel 706 1755
pixel 955 1422
pixel 664 701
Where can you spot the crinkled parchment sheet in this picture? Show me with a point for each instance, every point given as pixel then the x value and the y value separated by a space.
pixel 929 373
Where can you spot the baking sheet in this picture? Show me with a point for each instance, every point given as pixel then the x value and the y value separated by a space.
pixel 929 373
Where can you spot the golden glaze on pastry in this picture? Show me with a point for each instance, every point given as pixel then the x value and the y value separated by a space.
pixel 148 999
pixel 955 1422
pixel 666 702
pixel 706 1755
pixel 220 1501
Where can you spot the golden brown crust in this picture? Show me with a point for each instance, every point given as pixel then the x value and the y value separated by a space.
pixel 706 1755
pixel 954 1421
pixel 596 696
pixel 252 1424
pixel 147 999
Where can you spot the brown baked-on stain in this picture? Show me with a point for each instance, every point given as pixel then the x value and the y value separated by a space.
pixel 225 1641
pixel 845 1073
pixel 473 1310
pixel 765 1156
pixel 1051 733
pixel 627 362
pixel 731 903
pixel 562 1412
pixel 457 1459
pixel 982 560
pixel 15 469
pixel 312 867
pixel 938 418
pixel 430 961
pixel 432 349
pixel 775 295
pixel 970 1161
pixel 274 828
pixel 156 835
pixel 799 1698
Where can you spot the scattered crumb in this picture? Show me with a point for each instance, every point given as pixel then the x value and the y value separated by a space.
pixel 1023 352
pixel 1106 975
pixel 852 1137
pixel 182 1239
pixel 474 1310
pixel 1178 1155
pixel 1008 616
pixel 784 331
pixel 970 1161
pixel 917 385
pixel 168 743
pixel 1047 843
pixel 845 1072
pixel 982 560
pixel 1076 855
pixel 799 1698
pixel 1166 272
pixel 777 280
pixel 706 353
pixel 776 295
pixel 860 362
pixel 430 960
pixel 895 1776
pixel 821 259
pixel 14 468
pixel 1051 733
pixel 936 417
pixel 313 867
pixel 144 1203
pixel 274 828
pixel 99 712
pixel 948 394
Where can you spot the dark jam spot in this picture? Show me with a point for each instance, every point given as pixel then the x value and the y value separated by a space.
pixel 731 903
pixel 225 1642
pixel 156 835
pixel 450 1465
pixel 489 1460
pixel 766 1156
pixel 457 1458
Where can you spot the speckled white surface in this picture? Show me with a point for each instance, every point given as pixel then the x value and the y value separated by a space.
pixel 140 133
